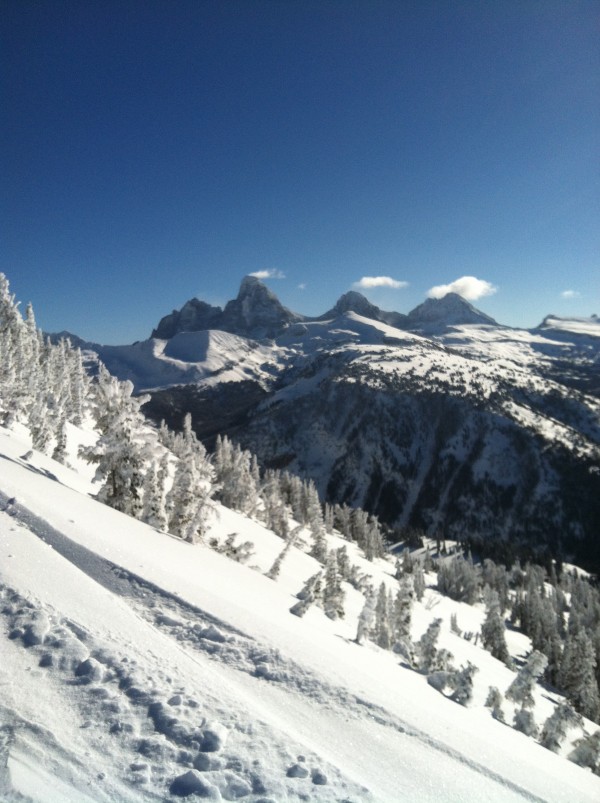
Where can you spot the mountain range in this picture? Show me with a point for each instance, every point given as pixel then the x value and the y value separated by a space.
pixel 442 420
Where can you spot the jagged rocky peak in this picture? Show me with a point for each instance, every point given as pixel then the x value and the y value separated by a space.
pixel 256 312
pixel 194 316
pixel 451 310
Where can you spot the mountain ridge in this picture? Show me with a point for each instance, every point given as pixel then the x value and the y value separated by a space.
pixel 257 312
pixel 470 427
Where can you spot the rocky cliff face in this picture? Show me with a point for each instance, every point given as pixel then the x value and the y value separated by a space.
pixel 256 312
pixel 194 316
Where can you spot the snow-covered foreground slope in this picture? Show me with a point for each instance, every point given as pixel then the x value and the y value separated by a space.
pixel 134 666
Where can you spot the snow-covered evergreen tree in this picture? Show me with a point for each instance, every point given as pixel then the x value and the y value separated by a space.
pixel 154 511
pixel 578 677
pixel 586 752
pixel 555 728
pixel 494 701
pixel 402 611
pixel 493 630
pixel 419 580
pixel 427 648
pixel 122 449
pixel 382 631
pixel 458 579
pixel 311 593
pixel 461 681
pixel 366 616
pixel 188 501
pixel 235 476
pixel 275 513
pixel 333 593
pixel 520 690
pixel 273 572
pixel 60 449
pixel 524 721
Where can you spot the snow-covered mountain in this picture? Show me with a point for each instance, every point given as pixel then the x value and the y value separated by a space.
pixel 256 312
pixel 176 625
pixel 476 430
pixel 137 667
pixel 435 316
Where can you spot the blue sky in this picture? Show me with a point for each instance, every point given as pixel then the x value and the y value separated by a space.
pixel 155 151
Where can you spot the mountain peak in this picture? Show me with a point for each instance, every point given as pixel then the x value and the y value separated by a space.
pixel 352 301
pixel 194 316
pixel 450 310
pixel 355 302
pixel 256 311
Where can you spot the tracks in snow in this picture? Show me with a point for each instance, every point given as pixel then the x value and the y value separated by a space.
pixel 198 630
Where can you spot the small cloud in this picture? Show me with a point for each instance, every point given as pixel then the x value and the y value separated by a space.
pixel 302 286
pixel 379 281
pixel 268 274
pixel 468 287
pixel 570 294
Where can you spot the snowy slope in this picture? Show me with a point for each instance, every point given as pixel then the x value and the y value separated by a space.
pixel 130 659
pixel 189 358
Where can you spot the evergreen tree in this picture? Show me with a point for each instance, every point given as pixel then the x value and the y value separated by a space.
pixel 60 450
pixel 520 690
pixel 273 572
pixel 343 562
pixel 555 728
pixel 121 451
pixel 382 634
pixel 427 647
pixel 494 701
pixel 319 545
pixel 496 577
pixel 492 631
pixel 402 615
pixel 333 593
pixel 235 478
pixel 14 397
pixel 366 616
pixel 154 510
pixel 586 752
pixel 275 513
pixel 311 593
pixel 458 579
pixel 419 580
pixel 577 675
pixel 461 682
pixel 328 518
pixel 524 721
pixel 188 501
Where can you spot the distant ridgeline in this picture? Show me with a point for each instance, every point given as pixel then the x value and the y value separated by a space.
pixel 441 421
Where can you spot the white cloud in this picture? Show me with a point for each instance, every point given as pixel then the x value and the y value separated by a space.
pixel 379 281
pixel 302 286
pixel 570 294
pixel 268 274
pixel 468 287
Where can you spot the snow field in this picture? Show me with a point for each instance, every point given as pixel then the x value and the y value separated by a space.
pixel 135 666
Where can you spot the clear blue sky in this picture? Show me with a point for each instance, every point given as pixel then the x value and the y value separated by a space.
pixel 155 151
